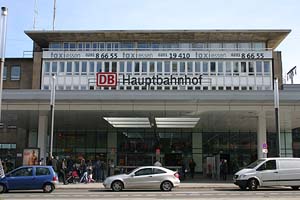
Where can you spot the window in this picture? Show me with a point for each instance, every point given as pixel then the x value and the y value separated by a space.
pixel 205 68
pixel 269 165
pixel 69 68
pixel 95 46
pixel 42 171
pixel 144 67
pixel 244 46
pixel 197 67
pixel 229 46
pixel 129 66
pixel 15 73
pixel 167 67
pixel 250 68
pixel 158 171
pixel 61 70
pixel 106 66
pixel 83 68
pixel 220 68
pixel 243 67
pixel 228 68
pixel 213 67
pixel 54 67
pixel 47 68
pixel 92 68
pixel 121 66
pixel 182 67
pixel 27 171
pixel 215 46
pixel 114 66
pixel 174 67
pixel 137 67
pixel 152 67
pixel 258 45
pixel 258 67
pixel 76 71
pixel 159 67
pixel 266 67
pixel 4 72
pixel 99 67
pixel 235 68
pixel 190 67
pixel 143 172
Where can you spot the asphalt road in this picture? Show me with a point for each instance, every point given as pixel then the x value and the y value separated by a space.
pixel 219 194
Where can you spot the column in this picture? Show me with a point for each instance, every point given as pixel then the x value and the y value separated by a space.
pixel 197 150
pixel 261 134
pixel 286 137
pixel 42 135
pixel 112 148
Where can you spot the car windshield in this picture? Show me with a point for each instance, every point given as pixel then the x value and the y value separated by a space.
pixel 254 164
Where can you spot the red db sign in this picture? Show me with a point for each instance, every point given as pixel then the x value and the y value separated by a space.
pixel 107 79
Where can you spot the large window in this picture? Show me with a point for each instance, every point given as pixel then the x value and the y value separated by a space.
pixel 4 72
pixel 84 68
pixel 15 73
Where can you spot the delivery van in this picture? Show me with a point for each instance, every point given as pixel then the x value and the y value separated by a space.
pixel 269 172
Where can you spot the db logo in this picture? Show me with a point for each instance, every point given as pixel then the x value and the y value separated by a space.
pixel 107 79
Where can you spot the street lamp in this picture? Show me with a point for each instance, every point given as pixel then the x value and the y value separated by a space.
pixel 277 116
pixel 52 107
pixel 3 25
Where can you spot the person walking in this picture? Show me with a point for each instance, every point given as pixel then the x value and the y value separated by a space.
pixel 192 166
pixel 224 170
pixel 157 163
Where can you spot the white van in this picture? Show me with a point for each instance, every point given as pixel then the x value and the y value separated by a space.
pixel 269 172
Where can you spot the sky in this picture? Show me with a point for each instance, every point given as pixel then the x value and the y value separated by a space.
pixel 155 14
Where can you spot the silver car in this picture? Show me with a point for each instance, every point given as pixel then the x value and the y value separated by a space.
pixel 148 177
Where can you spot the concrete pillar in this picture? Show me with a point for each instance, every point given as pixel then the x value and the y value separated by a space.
pixel 286 137
pixel 197 150
pixel 42 135
pixel 112 147
pixel 261 134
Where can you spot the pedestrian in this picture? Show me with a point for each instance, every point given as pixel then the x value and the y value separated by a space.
pixel 157 163
pixel 192 166
pixel 63 170
pixel 54 164
pixel 98 169
pixel 224 170
pixel 183 170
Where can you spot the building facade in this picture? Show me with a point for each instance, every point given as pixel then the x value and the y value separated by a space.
pixel 133 97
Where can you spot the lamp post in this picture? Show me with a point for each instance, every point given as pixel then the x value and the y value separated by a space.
pixel 3 25
pixel 52 108
pixel 277 117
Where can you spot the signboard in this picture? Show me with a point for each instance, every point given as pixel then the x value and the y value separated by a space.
pixel 113 55
pixel 31 156
pixel 265 146
pixel 110 79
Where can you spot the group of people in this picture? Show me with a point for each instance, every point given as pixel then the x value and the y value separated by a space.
pixel 82 171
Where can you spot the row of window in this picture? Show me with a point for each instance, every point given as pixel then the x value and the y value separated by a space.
pixel 15 73
pixel 92 87
pixel 113 46
pixel 159 67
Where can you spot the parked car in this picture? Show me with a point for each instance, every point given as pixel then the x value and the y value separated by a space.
pixel 269 172
pixel 29 178
pixel 148 177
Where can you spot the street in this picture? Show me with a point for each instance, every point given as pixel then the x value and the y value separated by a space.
pixel 219 194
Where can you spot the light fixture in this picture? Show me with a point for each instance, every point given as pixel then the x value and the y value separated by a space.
pixel 176 122
pixel 128 122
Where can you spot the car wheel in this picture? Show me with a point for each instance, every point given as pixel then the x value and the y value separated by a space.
pixel 2 188
pixel 48 188
pixel 117 186
pixel 252 184
pixel 295 187
pixel 166 186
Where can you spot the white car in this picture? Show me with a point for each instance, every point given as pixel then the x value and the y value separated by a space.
pixel 148 177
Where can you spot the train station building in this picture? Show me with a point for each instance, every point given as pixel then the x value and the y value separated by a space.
pixel 136 96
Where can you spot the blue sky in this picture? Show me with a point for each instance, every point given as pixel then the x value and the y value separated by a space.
pixel 156 14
